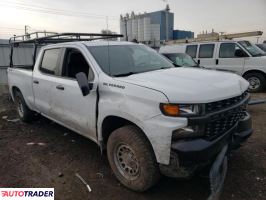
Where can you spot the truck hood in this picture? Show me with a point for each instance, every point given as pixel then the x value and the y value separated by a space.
pixel 190 85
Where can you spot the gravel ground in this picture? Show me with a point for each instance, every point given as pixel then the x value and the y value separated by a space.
pixel 44 154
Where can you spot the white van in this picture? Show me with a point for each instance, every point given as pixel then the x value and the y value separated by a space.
pixel 241 57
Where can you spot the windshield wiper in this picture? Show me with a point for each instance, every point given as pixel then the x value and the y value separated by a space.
pixel 176 65
pixel 125 74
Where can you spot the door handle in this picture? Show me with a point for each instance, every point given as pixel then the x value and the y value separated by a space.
pixel 36 82
pixel 217 61
pixel 60 87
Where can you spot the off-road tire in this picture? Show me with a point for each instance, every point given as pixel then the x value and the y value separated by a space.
pixel 25 114
pixel 258 76
pixel 148 169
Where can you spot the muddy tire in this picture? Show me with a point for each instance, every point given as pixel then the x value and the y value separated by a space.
pixel 256 80
pixel 132 159
pixel 25 114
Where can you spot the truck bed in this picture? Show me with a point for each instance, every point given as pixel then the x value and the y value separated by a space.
pixel 21 78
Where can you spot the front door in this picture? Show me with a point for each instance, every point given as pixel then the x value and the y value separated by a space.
pixel 69 106
pixel 231 58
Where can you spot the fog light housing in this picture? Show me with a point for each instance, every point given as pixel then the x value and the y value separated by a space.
pixel 187 132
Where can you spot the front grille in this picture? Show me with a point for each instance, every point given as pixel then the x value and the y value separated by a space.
pixel 219 105
pixel 225 121
pixel 218 127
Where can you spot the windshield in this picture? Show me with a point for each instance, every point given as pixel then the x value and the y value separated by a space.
pixel 262 46
pixel 124 60
pixel 181 59
pixel 251 48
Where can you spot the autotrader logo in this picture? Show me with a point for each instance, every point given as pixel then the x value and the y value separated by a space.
pixel 26 193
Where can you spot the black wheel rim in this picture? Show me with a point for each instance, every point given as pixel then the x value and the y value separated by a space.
pixel 254 83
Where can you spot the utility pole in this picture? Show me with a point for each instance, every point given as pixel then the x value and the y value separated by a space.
pixel 107 25
pixel 258 39
pixel 26 31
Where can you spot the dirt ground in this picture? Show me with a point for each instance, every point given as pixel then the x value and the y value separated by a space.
pixel 44 154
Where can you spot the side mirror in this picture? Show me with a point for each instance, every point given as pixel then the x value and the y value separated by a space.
pixel 240 53
pixel 83 83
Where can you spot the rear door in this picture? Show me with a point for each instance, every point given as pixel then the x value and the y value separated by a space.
pixel 68 105
pixel 206 55
pixel 228 58
pixel 44 77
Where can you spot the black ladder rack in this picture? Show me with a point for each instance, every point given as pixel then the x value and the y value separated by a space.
pixel 43 38
pixel 52 37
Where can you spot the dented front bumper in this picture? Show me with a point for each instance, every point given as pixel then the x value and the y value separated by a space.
pixel 189 155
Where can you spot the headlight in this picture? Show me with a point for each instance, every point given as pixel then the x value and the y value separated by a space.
pixel 175 110
pixel 189 109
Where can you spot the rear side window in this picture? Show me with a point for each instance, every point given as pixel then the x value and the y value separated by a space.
pixel 192 50
pixel 206 51
pixel 50 61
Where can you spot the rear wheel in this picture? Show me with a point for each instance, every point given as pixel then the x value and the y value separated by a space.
pixel 256 81
pixel 25 114
pixel 132 159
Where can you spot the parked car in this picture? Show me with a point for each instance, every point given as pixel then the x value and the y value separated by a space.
pixel 262 46
pixel 179 59
pixel 152 117
pixel 240 57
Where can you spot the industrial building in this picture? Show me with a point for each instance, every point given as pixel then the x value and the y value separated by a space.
pixel 151 28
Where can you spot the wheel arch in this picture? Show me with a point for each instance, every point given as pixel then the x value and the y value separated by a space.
pixel 255 71
pixel 113 122
pixel 14 90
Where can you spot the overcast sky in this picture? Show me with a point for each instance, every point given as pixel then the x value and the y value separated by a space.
pixel 90 15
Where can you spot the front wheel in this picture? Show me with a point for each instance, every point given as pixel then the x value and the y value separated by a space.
pixel 132 159
pixel 256 81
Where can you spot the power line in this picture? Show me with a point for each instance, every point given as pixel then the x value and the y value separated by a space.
pixel 52 9
pixel 11 28
pixel 47 10
pixel 58 10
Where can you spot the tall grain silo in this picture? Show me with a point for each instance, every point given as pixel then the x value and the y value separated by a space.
pixel 129 29
pixel 135 28
pixel 155 34
pixel 147 28
pixel 123 28
pixel 141 29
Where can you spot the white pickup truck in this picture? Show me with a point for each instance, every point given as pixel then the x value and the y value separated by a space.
pixel 152 117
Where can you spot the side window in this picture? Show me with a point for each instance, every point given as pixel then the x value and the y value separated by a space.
pixel 192 50
pixel 229 50
pixel 74 62
pixel 49 63
pixel 206 51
